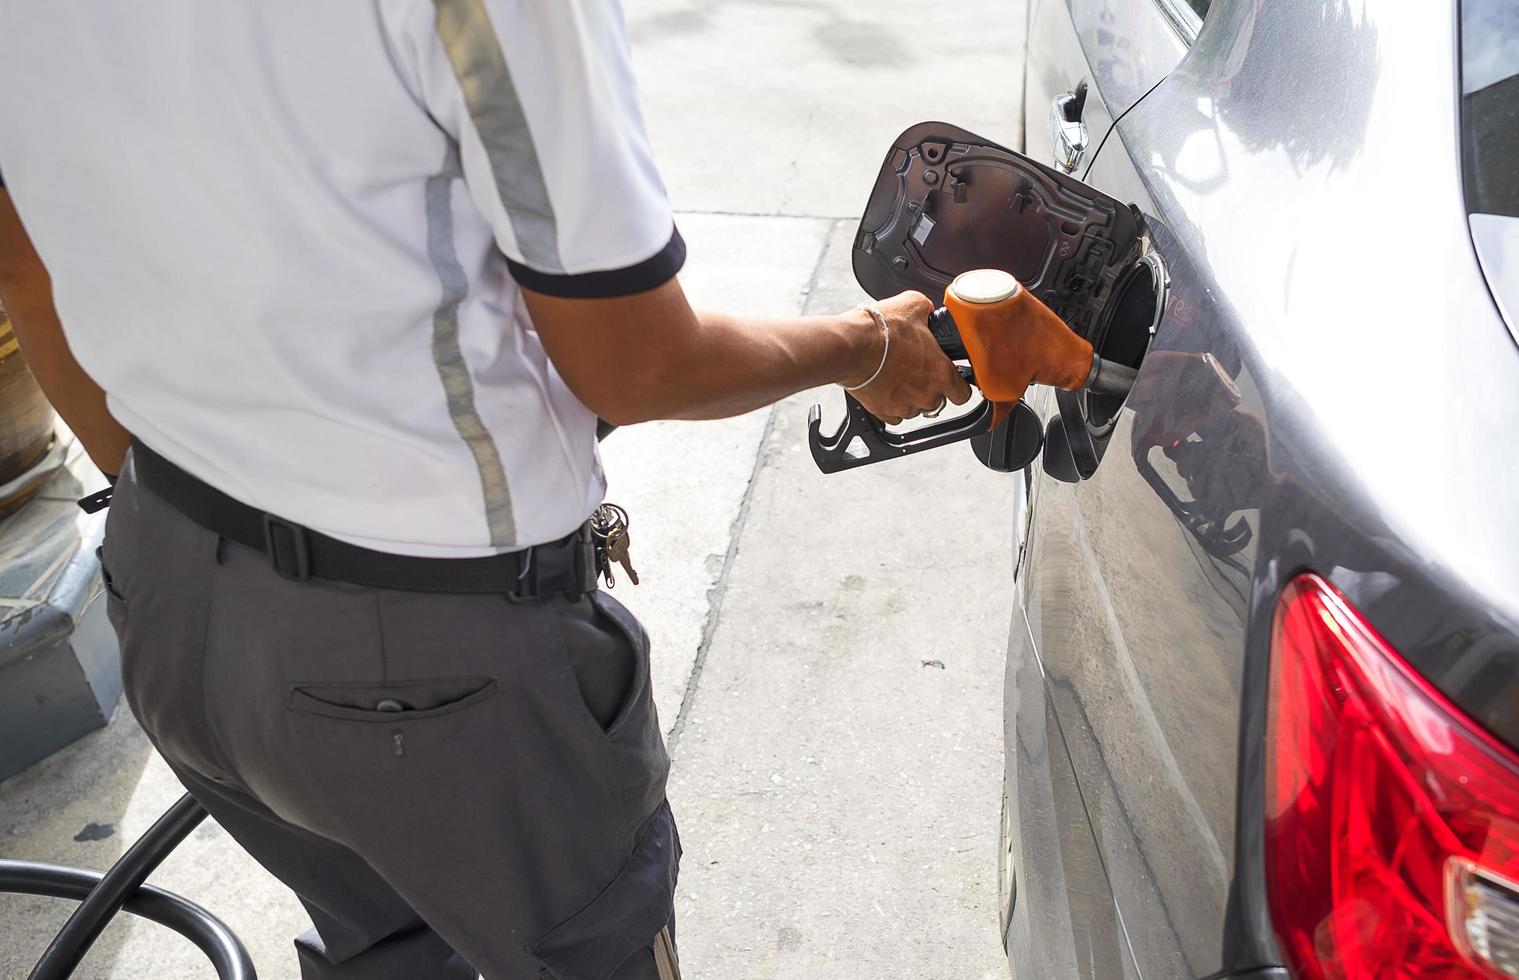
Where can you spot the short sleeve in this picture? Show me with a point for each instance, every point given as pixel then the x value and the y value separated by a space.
pixel 540 97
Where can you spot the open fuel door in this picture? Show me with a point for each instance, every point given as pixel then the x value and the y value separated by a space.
pixel 947 201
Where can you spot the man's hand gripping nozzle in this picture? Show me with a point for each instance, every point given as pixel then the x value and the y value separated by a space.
pixel 1010 338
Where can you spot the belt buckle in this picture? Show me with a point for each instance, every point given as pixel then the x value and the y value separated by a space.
pixel 287 547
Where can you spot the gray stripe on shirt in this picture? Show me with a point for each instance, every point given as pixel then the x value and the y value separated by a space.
pixel 474 51
pixel 448 356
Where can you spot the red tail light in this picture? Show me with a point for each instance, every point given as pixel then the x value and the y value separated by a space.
pixel 1392 820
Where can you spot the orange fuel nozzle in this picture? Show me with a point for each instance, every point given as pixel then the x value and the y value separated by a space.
pixel 1012 339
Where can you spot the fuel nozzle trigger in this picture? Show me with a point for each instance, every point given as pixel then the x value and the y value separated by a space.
pixel 864 439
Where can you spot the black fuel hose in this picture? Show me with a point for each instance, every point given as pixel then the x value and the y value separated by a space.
pixel 103 895
pixel 190 920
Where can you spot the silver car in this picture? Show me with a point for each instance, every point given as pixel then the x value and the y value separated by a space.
pixel 1262 696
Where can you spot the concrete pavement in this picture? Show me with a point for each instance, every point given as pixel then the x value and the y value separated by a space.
pixel 836 788
pixel 838 761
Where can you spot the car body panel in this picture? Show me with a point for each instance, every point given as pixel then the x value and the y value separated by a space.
pixel 1139 626
pixel 1331 388
pixel 1060 925
pixel 1350 343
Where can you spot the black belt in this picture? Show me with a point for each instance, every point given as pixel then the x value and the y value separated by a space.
pixel 565 566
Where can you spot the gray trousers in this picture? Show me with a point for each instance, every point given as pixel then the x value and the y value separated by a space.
pixel 450 783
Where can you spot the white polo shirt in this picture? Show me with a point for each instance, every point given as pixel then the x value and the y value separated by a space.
pixel 287 238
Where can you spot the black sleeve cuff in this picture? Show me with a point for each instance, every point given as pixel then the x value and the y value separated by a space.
pixel 651 273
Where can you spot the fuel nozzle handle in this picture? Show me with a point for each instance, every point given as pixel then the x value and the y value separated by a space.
pixel 1015 340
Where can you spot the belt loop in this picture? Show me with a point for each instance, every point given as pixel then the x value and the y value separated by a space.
pixel 287 548
pixel 526 589
pixel 586 569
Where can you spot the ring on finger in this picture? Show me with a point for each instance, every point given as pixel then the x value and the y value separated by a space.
pixel 935 413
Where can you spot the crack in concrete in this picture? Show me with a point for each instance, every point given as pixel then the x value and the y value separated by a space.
pixel 719 590
pixel 768 214
pixel 809 291
pixel 796 160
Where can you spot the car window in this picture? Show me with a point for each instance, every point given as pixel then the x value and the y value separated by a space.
pixel 1185 15
pixel 1490 105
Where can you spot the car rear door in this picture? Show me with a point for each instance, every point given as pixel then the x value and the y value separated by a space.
pixel 1134 588
pixel 1088 62
pixel 1137 586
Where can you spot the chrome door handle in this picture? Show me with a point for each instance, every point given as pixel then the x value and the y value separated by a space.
pixel 1068 137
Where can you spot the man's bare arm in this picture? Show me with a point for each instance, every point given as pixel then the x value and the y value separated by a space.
pixel 27 293
pixel 650 356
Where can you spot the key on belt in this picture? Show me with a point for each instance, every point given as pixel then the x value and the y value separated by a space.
pixel 609 526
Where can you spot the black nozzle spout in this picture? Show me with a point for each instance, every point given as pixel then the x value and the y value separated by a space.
pixel 1110 378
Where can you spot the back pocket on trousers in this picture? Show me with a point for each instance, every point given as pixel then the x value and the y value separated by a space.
pixel 392 701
